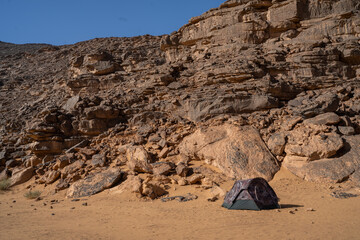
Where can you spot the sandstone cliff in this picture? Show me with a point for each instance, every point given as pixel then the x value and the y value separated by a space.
pixel 246 87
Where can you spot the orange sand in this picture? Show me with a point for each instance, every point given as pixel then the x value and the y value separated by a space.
pixel 123 216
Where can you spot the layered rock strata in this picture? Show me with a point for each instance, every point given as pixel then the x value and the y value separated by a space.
pixel 245 87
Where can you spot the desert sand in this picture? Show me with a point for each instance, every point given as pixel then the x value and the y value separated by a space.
pixel 308 212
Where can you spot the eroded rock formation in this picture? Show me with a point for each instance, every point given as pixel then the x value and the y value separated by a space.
pixel 246 87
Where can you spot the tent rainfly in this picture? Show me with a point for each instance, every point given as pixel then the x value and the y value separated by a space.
pixel 251 194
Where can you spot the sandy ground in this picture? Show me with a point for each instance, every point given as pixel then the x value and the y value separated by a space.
pixel 121 216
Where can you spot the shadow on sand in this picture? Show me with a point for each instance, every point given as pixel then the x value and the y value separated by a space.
pixel 290 206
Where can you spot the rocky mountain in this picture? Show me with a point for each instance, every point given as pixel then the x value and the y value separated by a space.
pixel 236 93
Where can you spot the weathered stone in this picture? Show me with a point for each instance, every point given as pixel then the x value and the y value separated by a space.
pixel 346 130
pixel 216 192
pixel 98 160
pixel 182 182
pixel 102 112
pixel 138 159
pixel 312 106
pixel 92 127
pixel 152 190
pixel 289 124
pixel 72 168
pixel 276 143
pixel 324 119
pixel 49 177
pixel 62 162
pixel 70 104
pixel 203 107
pixel 336 169
pixel 194 179
pixel 132 184
pixel 238 152
pixel 316 147
pixel 182 169
pixel 164 152
pixel 162 168
pixel 94 183
pixel 21 176
pixel 34 161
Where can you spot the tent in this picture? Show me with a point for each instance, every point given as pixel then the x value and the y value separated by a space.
pixel 251 194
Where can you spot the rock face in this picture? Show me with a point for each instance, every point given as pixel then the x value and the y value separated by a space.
pixel 281 72
pixel 237 151
pixel 93 184
pixel 336 169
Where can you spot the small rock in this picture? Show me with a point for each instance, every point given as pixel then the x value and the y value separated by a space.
pixel 152 190
pixel 182 182
pixel 346 130
pixel 196 178
pixel 182 169
pixel 53 214
pixel 164 152
pixel 291 212
pixel 98 160
pixel 72 208
pixel 162 168
pixel 213 199
pixel 85 204
pixel 310 210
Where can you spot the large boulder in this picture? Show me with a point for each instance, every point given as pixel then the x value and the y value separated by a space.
pixel 315 147
pixel 94 183
pixel 239 152
pixel 336 169
pixel 21 176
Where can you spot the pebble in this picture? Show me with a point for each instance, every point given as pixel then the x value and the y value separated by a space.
pixel 291 212
pixel 44 204
pixel 75 200
pixel 14 201
pixel 72 208
pixel 35 209
pixel 53 214
pixel 278 210
pixel 51 207
pixel 310 210
pixel 85 204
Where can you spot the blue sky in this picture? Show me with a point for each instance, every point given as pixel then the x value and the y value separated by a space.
pixel 68 21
